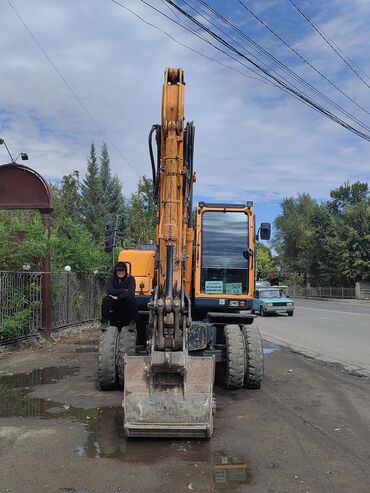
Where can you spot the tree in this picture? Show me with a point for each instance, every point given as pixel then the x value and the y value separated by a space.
pixel 141 215
pixel 67 200
pixel 111 187
pixel 73 245
pixel 92 193
pixel 23 239
pixel 265 263
pixel 293 231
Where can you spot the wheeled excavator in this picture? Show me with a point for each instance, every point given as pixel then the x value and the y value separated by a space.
pixel 194 289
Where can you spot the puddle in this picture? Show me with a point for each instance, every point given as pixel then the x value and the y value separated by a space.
pixel 269 350
pixel 220 470
pixel 230 472
pixel 14 389
pixel 106 440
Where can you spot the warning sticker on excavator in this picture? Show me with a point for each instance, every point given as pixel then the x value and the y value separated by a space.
pixel 233 288
pixel 214 287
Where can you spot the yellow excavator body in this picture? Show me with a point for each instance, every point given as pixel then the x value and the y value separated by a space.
pixel 192 288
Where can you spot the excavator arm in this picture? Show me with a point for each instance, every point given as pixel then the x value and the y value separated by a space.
pixel 168 392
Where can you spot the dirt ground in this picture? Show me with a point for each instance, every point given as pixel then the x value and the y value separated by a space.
pixel 306 430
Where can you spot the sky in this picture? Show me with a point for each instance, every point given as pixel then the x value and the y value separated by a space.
pixel 253 140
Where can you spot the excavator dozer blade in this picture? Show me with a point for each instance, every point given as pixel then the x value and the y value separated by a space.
pixel 172 406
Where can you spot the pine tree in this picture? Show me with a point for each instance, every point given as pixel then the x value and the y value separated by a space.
pixel 141 215
pixel 92 193
pixel 112 189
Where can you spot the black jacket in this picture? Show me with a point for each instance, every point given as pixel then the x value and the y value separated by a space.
pixel 123 288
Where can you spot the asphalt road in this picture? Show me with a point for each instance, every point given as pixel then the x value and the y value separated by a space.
pixel 338 332
pixel 306 431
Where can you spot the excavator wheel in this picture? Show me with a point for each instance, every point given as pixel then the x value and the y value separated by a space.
pixel 126 344
pixel 253 357
pixel 235 357
pixel 107 374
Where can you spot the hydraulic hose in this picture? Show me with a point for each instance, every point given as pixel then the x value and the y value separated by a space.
pixel 155 167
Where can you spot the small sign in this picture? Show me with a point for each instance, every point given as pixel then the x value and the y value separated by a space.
pixel 233 288
pixel 214 287
pixel 221 301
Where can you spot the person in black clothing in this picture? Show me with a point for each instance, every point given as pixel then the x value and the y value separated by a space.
pixel 120 297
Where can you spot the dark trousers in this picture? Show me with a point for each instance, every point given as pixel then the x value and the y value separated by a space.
pixel 126 307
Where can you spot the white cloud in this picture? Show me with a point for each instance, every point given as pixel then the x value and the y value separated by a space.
pixel 252 141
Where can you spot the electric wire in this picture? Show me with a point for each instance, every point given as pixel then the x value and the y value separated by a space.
pixel 284 67
pixel 288 87
pixel 300 56
pixel 259 78
pixel 327 41
pixel 72 91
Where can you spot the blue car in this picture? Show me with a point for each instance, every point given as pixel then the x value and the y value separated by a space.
pixel 272 300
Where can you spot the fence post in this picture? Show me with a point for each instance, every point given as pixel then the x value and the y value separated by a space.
pixel 342 292
pixel 46 279
pixel 67 315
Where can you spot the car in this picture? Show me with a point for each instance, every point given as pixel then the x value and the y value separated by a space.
pixel 262 284
pixel 272 299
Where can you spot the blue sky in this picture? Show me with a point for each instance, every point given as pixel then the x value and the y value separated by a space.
pixel 253 141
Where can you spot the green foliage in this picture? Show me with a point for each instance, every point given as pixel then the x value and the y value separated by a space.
pixel 67 200
pixel 22 306
pixel 92 197
pixel 326 244
pixel 293 234
pixel 265 262
pixel 73 244
pixel 141 215
pixel 15 251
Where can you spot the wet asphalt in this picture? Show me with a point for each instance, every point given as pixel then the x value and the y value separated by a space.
pixel 306 430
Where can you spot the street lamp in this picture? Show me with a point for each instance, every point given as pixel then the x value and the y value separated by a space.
pixel 23 155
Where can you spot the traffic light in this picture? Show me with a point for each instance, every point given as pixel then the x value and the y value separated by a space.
pixel 121 231
pixel 109 236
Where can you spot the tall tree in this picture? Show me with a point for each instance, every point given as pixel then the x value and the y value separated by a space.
pixel 111 187
pixel 141 214
pixel 92 205
pixel 265 263
pixel 67 200
pixel 293 233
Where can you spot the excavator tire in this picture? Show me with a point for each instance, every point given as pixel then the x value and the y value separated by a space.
pixel 235 359
pixel 126 344
pixel 253 357
pixel 107 374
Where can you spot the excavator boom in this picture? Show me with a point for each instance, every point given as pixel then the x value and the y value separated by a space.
pixel 168 392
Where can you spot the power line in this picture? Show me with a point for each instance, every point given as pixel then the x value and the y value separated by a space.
pixel 290 72
pixel 301 57
pixel 288 87
pixel 325 38
pixel 72 91
pixel 183 44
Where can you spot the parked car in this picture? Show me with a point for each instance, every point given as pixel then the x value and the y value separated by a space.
pixel 272 300
pixel 262 284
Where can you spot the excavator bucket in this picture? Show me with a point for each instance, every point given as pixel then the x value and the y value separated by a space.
pixel 167 403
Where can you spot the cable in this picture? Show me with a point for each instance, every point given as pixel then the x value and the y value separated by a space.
pixel 325 38
pixel 74 94
pixel 281 65
pixel 301 96
pixel 260 78
pixel 300 56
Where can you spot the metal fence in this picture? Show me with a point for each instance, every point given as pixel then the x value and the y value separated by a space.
pixel 75 299
pixel 20 304
pixel 321 292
